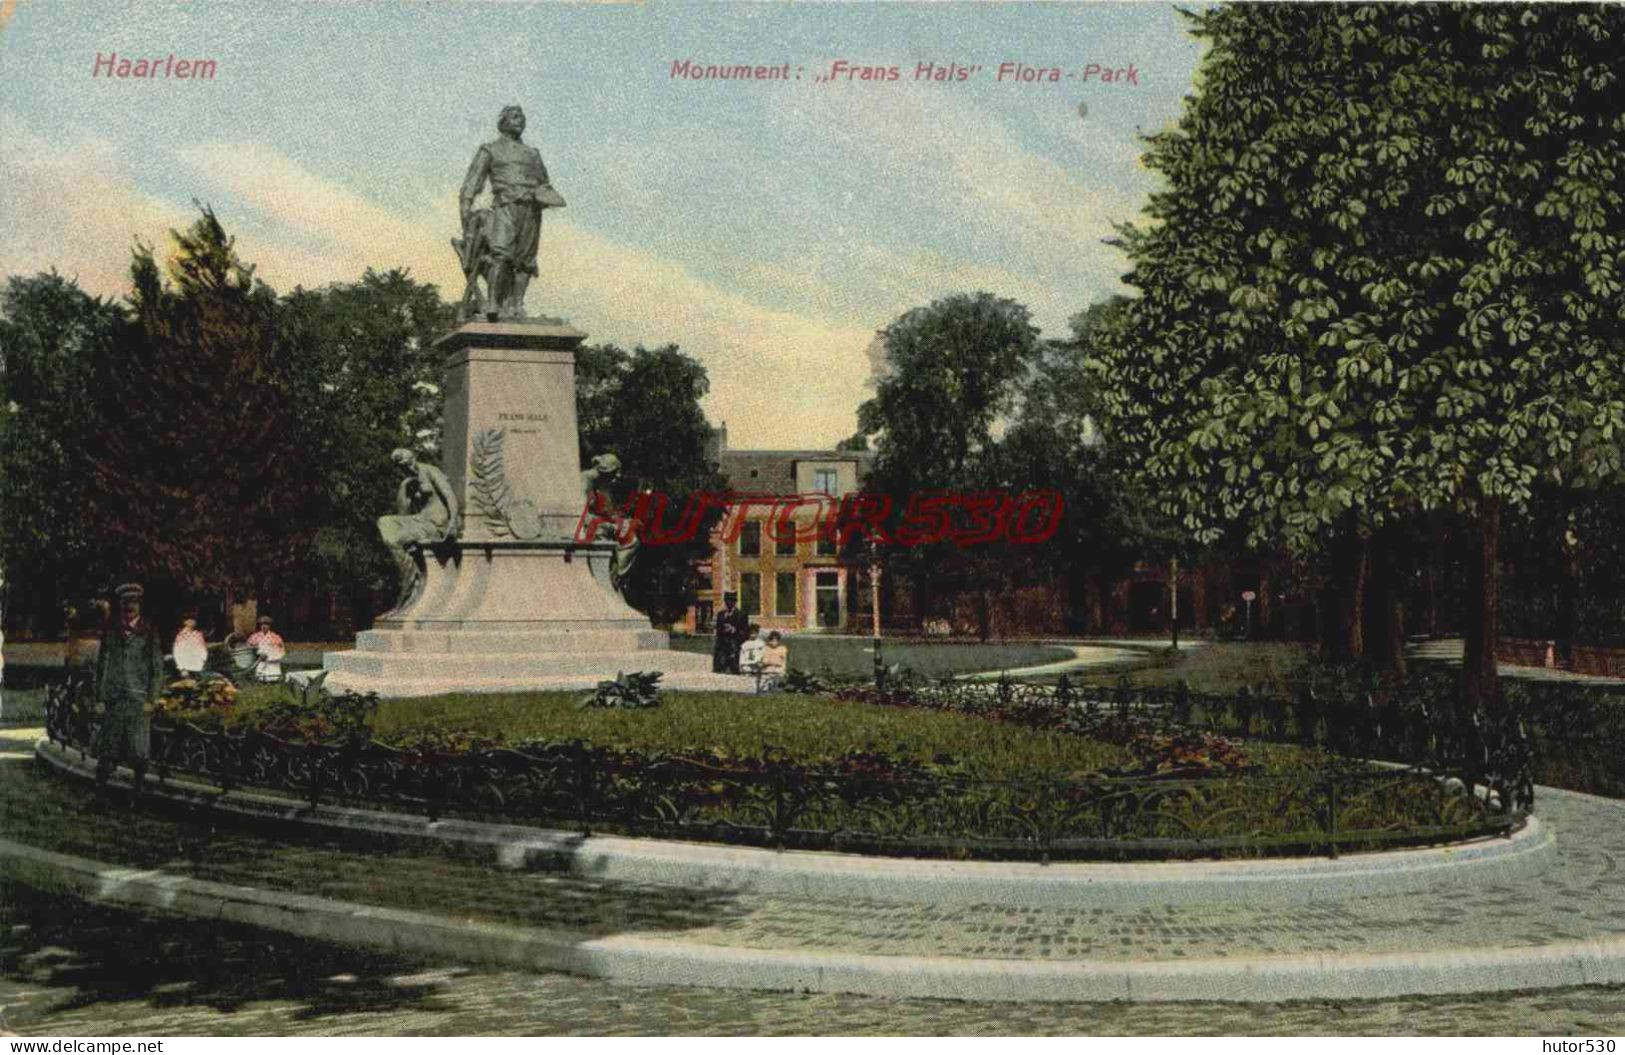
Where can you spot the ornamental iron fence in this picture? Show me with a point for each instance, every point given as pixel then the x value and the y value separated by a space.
pixel 859 803
pixel 1421 724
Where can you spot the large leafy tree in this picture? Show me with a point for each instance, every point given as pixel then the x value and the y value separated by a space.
pixel 366 379
pixel 195 481
pixel 956 370
pixel 1384 276
pixel 644 407
pixel 955 367
pixel 1054 442
pixel 52 336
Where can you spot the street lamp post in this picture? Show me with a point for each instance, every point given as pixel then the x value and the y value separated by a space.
pixel 1173 600
pixel 874 612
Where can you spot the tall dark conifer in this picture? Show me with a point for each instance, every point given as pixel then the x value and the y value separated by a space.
pixel 196 478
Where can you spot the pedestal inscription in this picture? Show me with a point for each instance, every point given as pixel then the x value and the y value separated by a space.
pixel 514 602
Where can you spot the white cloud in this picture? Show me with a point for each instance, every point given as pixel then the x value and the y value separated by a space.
pixel 73 207
pixel 779 378
pixel 788 342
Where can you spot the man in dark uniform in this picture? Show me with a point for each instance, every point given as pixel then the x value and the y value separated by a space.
pixel 732 626
pixel 129 676
pixel 501 242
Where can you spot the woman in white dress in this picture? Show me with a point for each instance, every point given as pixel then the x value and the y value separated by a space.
pixel 190 650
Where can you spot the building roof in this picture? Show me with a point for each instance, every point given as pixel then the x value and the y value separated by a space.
pixel 776 470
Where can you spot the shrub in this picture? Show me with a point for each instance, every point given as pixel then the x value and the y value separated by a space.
pixel 639 690
pixel 196 696
pixel 803 683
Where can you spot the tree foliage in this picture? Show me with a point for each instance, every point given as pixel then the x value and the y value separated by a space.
pixel 366 379
pixel 194 479
pixel 52 336
pixel 955 364
pixel 1385 273
pixel 644 407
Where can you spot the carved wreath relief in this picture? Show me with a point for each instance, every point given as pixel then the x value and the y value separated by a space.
pixel 506 514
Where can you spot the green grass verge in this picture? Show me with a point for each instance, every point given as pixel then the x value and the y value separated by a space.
pixel 850 657
pixel 810 729
pixel 1221 667
pixel 22 705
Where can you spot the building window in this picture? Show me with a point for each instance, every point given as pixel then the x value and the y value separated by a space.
pixel 750 593
pixel 785 544
pixel 827 595
pixel 824 481
pixel 826 545
pixel 784 593
pixel 750 539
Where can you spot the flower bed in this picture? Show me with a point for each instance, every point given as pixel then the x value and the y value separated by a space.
pixel 1170 795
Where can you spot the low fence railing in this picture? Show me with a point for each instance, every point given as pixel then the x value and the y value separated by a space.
pixel 858 803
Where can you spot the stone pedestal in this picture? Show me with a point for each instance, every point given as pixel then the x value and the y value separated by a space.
pixel 515 603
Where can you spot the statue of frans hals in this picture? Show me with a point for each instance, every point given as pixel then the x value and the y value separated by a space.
pixel 499 243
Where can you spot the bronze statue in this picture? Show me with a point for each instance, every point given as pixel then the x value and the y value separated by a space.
pixel 427 514
pixel 604 470
pixel 499 243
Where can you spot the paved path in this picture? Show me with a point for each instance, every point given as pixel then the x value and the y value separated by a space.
pixel 68 968
pixel 1582 897
pixel 1084 657
pixel 1091 655
pixel 1450 650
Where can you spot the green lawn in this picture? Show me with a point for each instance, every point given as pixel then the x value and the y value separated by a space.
pixel 1221 667
pixel 21 705
pixel 851 657
pixel 809 728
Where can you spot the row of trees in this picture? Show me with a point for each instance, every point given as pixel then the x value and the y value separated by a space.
pixel 973 400
pixel 1378 330
pixel 1381 297
pixel 216 439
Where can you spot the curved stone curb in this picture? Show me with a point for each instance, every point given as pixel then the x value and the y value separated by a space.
pixel 1329 976
pixel 795 873
pixel 656 961
pixel 325 919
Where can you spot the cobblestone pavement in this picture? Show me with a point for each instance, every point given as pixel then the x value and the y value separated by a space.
pixel 1581 896
pixel 71 969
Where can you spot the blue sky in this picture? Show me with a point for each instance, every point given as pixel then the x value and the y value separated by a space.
pixel 767 227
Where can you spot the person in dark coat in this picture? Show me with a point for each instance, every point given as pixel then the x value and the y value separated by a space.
pixel 732 626
pixel 129 676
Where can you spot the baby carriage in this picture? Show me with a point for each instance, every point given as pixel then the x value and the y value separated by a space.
pixel 254 662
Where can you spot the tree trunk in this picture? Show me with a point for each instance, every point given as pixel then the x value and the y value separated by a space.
pixel 1342 628
pixel 1483 610
pixel 1384 631
pixel 1567 602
